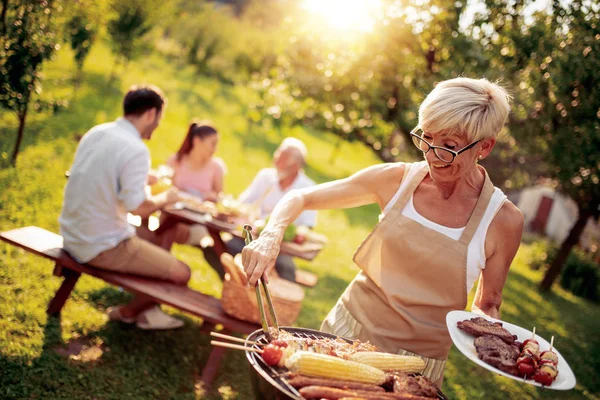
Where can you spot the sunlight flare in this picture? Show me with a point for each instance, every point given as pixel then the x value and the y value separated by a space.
pixel 344 15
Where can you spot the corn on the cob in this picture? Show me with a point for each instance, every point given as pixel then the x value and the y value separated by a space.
pixel 325 366
pixel 389 362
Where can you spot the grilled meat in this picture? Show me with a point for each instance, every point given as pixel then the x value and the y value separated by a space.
pixel 324 392
pixel 300 381
pixel 480 326
pixel 415 385
pixel 492 350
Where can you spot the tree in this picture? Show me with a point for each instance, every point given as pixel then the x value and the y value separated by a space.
pixel 82 29
pixel 28 38
pixel 553 56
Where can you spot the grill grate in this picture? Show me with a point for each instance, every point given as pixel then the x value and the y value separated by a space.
pixel 273 375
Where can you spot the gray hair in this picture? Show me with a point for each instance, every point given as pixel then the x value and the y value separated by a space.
pixel 297 145
pixel 477 108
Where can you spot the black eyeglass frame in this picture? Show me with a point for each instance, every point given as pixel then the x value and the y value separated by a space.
pixel 430 146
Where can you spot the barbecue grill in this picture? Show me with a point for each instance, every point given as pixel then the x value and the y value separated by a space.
pixel 268 383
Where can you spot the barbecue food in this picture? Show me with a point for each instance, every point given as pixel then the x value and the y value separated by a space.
pixel 325 366
pixel 389 362
pixel 492 350
pixel 324 392
pixel 527 362
pixel 547 370
pixel 480 326
pixel 415 385
pixel 333 347
pixel 300 381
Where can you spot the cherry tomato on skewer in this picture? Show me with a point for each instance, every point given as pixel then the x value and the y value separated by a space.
pixel 272 354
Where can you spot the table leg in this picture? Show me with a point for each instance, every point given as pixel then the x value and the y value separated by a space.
pixel 219 246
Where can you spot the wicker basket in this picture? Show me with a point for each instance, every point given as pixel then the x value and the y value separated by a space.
pixel 239 301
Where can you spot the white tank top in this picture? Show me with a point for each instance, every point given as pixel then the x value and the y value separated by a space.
pixel 476 250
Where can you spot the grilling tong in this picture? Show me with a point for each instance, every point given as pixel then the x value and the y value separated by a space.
pixel 247 234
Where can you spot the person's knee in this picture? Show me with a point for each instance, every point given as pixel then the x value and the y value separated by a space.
pixel 181 273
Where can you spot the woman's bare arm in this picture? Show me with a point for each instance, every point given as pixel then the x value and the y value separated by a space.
pixel 502 242
pixel 375 184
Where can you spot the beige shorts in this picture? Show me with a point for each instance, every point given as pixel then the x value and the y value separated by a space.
pixel 137 257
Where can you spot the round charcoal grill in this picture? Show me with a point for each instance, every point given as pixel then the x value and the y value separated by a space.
pixel 268 382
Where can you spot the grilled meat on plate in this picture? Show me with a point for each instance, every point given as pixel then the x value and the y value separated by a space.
pixel 480 326
pixel 492 350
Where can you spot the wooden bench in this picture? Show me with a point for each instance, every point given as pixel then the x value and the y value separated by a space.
pixel 50 245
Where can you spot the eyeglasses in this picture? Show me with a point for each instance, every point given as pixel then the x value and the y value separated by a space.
pixel 442 153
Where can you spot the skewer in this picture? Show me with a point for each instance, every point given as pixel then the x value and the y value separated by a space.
pixel 551 342
pixel 235 346
pixel 235 339
pixel 533 334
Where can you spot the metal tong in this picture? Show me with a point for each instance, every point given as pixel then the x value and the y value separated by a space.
pixel 247 234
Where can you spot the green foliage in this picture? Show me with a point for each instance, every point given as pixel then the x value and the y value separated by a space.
pixel 82 35
pixel 552 58
pixel 130 23
pixel 27 39
pixel 581 276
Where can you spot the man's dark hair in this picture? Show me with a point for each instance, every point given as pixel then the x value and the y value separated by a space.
pixel 140 99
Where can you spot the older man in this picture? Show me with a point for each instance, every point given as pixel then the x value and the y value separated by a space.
pixel 265 191
pixel 107 180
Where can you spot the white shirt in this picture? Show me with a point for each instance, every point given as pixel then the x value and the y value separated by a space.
pixel 107 180
pixel 266 193
pixel 476 250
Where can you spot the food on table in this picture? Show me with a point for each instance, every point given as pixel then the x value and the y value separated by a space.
pixel 326 366
pixel 389 362
pixel 494 348
pixel 161 185
pixel 415 385
pixel 480 326
pixel 496 352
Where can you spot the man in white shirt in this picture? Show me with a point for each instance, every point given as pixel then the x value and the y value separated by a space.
pixel 268 187
pixel 107 180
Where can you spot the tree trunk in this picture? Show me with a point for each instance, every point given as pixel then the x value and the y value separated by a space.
pixel 22 117
pixel 565 249
pixel 3 17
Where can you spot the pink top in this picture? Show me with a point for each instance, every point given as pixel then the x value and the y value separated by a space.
pixel 200 181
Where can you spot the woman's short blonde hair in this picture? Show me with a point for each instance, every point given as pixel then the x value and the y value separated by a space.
pixel 477 108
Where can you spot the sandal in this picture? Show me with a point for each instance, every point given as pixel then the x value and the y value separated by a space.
pixel 114 314
pixel 155 319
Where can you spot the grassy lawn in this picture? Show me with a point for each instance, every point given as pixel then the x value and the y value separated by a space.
pixel 81 355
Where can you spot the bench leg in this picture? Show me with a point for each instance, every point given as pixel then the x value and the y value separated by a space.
pixel 209 373
pixel 211 368
pixel 62 294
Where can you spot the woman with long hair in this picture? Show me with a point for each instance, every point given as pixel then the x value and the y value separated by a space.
pixel 196 169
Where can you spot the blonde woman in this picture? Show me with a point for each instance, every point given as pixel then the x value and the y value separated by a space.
pixel 443 226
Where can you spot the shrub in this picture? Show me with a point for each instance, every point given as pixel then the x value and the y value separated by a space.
pixel 581 276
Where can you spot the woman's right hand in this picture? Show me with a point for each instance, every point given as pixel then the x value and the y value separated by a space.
pixel 259 257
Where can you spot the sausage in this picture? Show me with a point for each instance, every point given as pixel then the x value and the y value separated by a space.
pixel 300 381
pixel 319 392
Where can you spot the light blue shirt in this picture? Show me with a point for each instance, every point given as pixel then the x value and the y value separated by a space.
pixel 107 179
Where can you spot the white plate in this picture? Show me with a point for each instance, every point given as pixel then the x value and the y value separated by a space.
pixel 464 342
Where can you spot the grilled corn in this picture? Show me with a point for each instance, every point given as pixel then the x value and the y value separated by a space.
pixel 325 366
pixel 389 362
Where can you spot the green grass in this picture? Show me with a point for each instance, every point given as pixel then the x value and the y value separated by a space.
pixel 123 362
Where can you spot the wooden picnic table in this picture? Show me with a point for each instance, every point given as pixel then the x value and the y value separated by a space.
pixel 171 215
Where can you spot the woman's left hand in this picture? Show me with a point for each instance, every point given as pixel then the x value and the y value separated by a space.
pixel 259 257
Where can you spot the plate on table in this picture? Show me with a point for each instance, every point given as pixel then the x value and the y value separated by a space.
pixel 565 380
